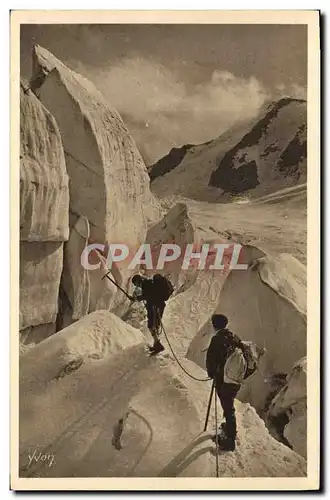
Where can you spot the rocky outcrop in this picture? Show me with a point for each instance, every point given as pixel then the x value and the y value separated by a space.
pixel 290 407
pixel 108 180
pixel 168 162
pixel 257 157
pixel 44 212
pixel 271 155
pixel 190 177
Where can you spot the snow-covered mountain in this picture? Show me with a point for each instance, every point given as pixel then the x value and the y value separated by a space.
pixel 255 158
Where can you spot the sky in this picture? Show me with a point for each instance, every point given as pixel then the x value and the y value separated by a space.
pixel 179 84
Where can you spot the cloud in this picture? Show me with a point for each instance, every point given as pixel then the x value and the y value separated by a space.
pixel 292 90
pixel 163 111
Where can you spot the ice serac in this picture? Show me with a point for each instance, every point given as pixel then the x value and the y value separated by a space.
pixel 258 157
pixel 44 216
pixel 44 191
pixel 40 274
pixel 196 290
pixel 110 417
pixel 268 309
pixel 108 180
pixel 76 280
pixel 291 402
pixel 176 228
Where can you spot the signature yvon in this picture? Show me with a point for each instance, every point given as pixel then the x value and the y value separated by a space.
pixel 37 457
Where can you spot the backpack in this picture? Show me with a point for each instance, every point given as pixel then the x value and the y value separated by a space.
pixel 242 363
pixel 235 367
pixel 252 354
pixel 164 287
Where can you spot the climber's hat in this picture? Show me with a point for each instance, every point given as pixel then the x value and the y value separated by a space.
pixel 219 321
pixel 137 280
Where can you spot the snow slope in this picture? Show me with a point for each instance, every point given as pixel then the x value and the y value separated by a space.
pixel 272 226
pixel 128 415
pixel 96 335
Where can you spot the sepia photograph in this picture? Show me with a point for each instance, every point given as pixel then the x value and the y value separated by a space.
pixel 165 250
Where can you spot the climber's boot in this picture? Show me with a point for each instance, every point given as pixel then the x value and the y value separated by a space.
pixel 226 443
pixel 157 348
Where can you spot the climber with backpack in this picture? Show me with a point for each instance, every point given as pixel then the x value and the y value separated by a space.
pixel 154 292
pixel 229 361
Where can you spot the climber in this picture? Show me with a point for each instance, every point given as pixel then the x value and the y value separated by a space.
pixel 221 346
pixel 155 292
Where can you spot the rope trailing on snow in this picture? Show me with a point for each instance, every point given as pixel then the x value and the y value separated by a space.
pixel 162 326
pixel 210 401
pixel 191 376
pixel 176 359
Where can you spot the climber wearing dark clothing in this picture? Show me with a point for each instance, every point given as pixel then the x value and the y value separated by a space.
pixel 154 314
pixel 153 293
pixel 221 346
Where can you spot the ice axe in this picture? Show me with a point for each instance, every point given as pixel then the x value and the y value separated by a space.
pixel 209 406
pixel 116 284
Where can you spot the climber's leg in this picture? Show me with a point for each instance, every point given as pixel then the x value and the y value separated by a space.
pixel 154 327
pixel 227 394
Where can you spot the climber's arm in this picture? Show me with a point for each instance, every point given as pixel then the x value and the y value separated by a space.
pixel 212 358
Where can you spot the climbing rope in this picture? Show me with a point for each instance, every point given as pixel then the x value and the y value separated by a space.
pixel 165 334
pixel 176 359
pixel 215 400
pixel 194 378
pixel 216 435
